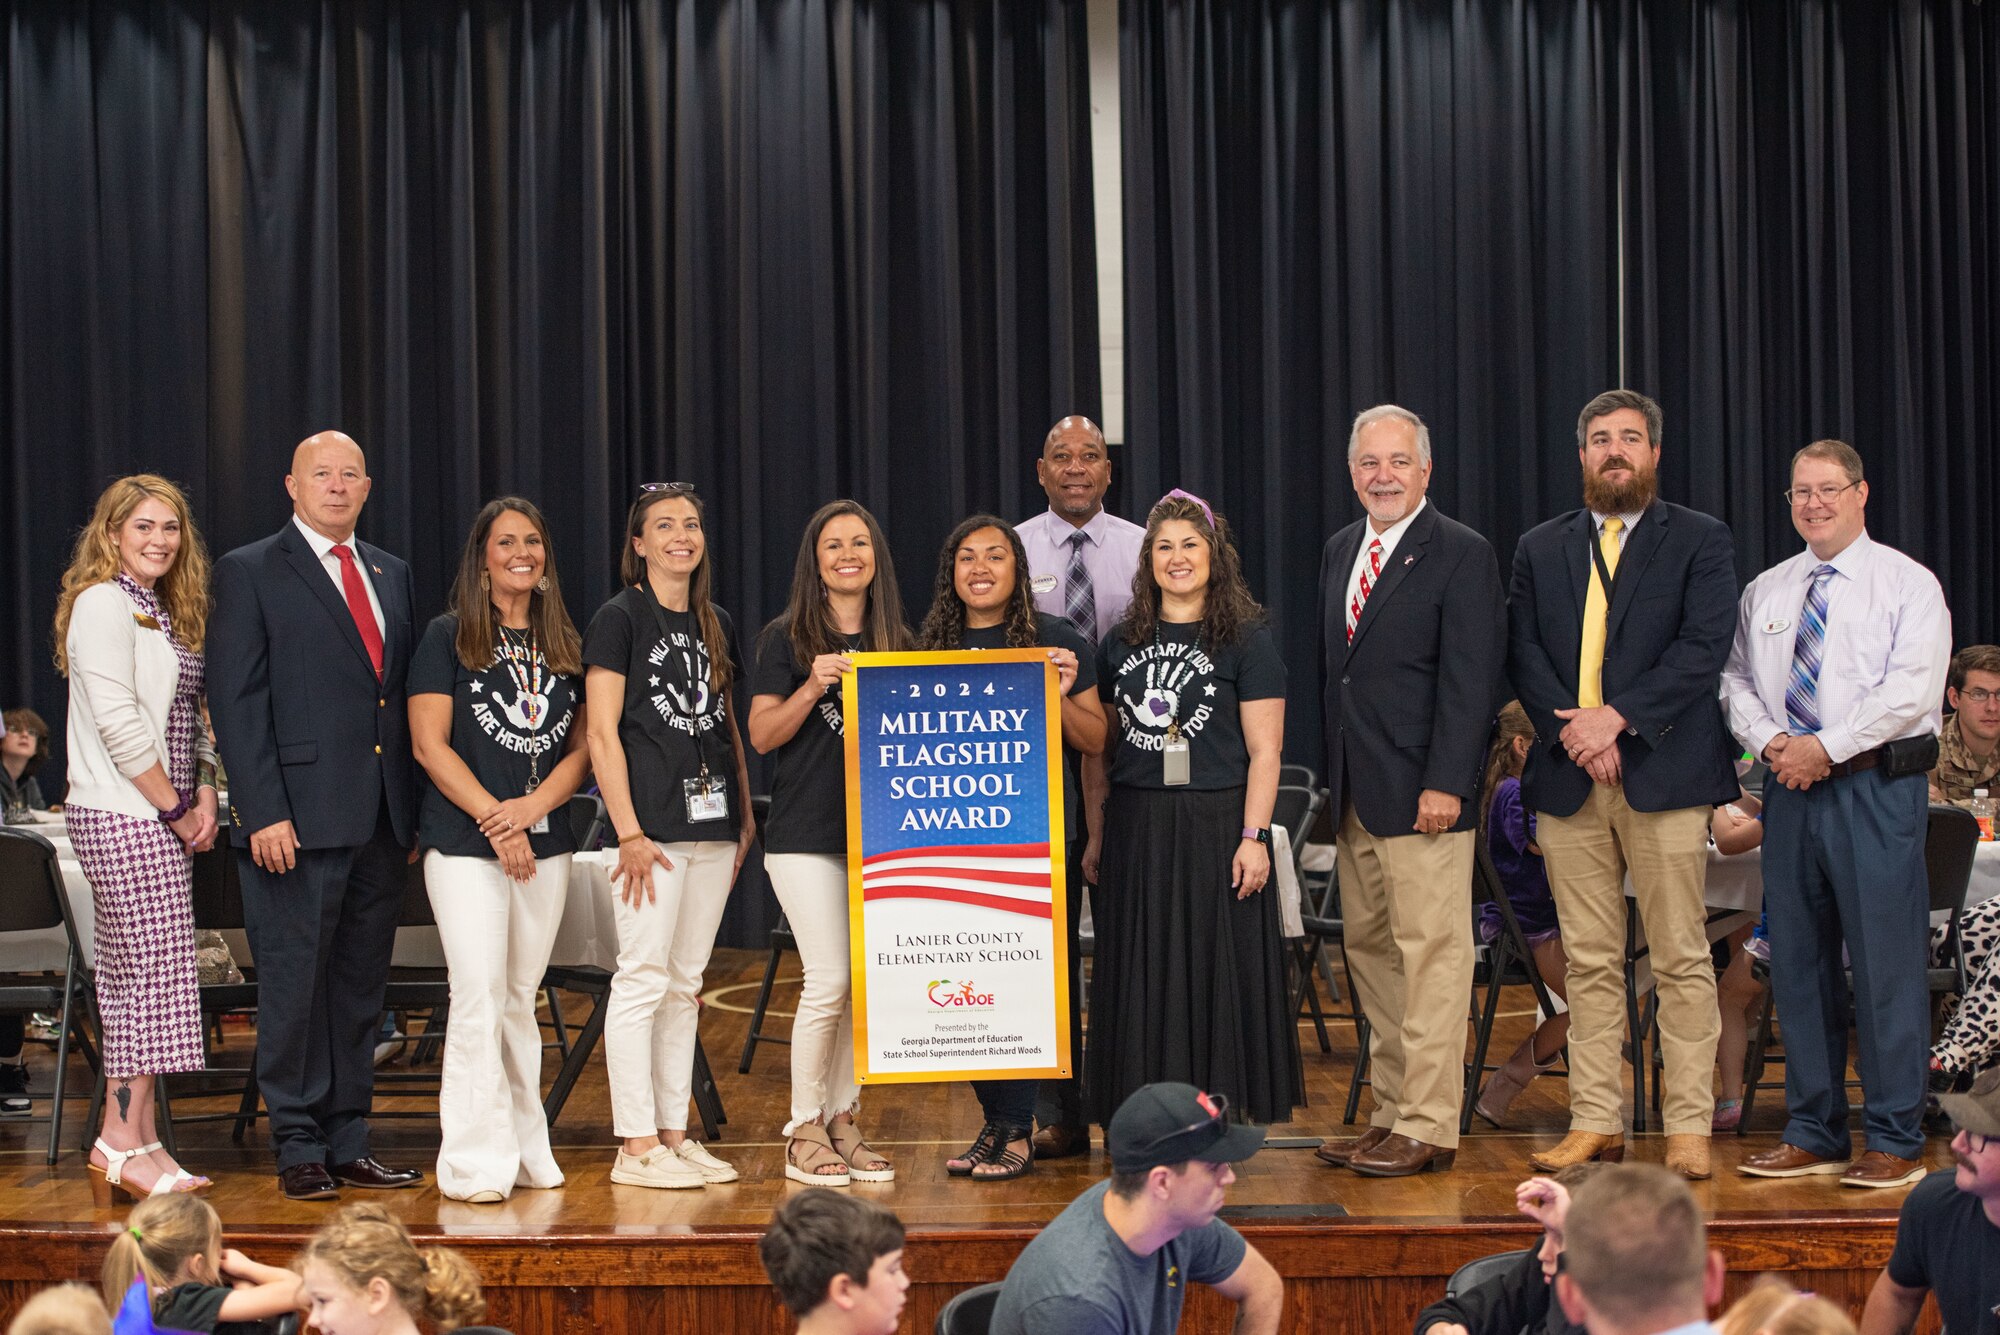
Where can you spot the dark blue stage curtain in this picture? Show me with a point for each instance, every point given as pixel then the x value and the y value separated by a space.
pixel 785 249
pixel 1816 252
pixel 1330 205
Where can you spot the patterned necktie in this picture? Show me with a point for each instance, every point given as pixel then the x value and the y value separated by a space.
pixel 357 605
pixel 1079 599
pixel 1802 694
pixel 1596 614
pixel 1370 575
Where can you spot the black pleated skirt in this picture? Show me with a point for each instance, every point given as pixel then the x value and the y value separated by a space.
pixel 1188 982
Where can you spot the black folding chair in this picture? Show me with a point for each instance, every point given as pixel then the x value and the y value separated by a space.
pixel 969 1312
pixel 1506 962
pixel 33 901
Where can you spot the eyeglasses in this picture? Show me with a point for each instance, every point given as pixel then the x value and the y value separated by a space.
pixel 1975 1143
pixel 670 488
pixel 1218 1102
pixel 1978 696
pixel 1826 494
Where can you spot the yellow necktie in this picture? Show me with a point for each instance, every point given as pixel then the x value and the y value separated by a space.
pixel 1590 663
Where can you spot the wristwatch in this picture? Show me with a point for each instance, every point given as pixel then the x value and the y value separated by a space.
pixel 1262 836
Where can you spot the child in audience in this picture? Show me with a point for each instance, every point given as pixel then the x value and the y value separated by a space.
pixel 1773 1307
pixel 363 1276
pixel 174 1243
pixel 837 1263
pixel 66 1309
pixel 1520 1300
pixel 1507 826
pixel 1737 827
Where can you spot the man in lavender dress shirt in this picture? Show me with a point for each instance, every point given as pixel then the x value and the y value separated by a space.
pixel 1835 680
pixel 1081 560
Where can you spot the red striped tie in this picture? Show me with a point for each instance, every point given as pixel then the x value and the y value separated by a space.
pixel 1369 577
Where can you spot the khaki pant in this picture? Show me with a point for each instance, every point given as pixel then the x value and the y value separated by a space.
pixel 1406 904
pixel 1666 852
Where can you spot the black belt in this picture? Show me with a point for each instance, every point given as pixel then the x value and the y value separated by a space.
pixel 1855 764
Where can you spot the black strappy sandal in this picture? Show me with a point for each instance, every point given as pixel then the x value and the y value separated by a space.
pixel 1011 1165
pixel 982 1151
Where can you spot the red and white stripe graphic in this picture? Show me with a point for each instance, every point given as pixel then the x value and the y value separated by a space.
pixel 1014 878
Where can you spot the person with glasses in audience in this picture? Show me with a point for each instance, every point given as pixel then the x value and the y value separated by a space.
pixel 1119 1259
pixel 660 666
pixel 1969 741
pixel 1948 1237
pixel 1835 681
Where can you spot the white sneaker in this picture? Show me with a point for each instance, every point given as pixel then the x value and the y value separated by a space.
pixel 657 1167
pixel 712 1169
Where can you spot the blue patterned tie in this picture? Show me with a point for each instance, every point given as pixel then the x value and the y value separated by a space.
pixel 1802 695
pixel 1079 599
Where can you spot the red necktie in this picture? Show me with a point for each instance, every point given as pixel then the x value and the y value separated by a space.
pixel 1369 576
pixel 357 605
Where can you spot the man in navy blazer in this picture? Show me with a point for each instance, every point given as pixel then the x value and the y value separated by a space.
pixel 1413 632
pixel 308 646
pixel 1621 616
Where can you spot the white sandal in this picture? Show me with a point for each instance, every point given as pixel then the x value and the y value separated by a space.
pixel 112 1175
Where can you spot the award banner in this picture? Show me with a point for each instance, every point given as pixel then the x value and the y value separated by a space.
pixel 955 866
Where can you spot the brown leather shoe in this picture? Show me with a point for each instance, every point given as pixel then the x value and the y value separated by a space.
pixel 307 1182
pixel 1687 1154
pixel 1580 1147
pixel 1789 1161
pixel 1340 1153
pixel 1059 1140
pixel 366 1172
pixel 1879 1168
pixel 1401 1156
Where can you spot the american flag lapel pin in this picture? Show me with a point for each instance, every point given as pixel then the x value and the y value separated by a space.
pixel 1410 560
pixel 377 569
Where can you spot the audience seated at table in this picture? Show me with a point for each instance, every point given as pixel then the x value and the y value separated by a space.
pixel 24 749
pixel 1969 741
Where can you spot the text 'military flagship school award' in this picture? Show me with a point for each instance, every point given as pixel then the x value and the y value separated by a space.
pixel 955 866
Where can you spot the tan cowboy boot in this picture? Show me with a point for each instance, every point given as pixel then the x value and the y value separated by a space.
pixel 1687 1154
pixel 1580 1147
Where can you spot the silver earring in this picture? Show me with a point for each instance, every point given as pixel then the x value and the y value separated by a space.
pixel 542 584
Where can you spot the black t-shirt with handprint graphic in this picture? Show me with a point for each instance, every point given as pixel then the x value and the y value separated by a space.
pixel 510 723
pixel 808 773
pixel 1174 677
pixel 673 719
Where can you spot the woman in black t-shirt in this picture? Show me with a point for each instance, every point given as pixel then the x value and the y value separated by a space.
pixel 1188 979
pixel 981 601
pixel 495 689
pixel 844 601
pixel 660 662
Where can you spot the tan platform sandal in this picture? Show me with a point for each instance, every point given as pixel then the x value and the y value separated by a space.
pixel 863 1163
pixel 811 1151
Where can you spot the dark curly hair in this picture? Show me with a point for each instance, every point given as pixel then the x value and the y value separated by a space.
pixel 944 624
pixel 1228 612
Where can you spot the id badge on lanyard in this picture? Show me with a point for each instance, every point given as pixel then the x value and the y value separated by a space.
pixel 1174 757
pixel 707 797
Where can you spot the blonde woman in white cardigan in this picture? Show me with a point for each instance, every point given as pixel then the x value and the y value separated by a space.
pixel 129 630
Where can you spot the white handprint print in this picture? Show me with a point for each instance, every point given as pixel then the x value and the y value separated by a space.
pixel 524 711
pixel 698 675
pixel 1160 701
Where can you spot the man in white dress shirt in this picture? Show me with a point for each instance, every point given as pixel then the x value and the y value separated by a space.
pixel 1835 680
pixel 1081 560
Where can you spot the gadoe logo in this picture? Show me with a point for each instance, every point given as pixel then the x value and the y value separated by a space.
pixel 944 993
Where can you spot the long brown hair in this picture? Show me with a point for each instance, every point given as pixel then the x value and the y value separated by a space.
pixel 807 618
pixel 1227 612
pixel 183 590
pixel 632 572
pixel 944 624
pixel 364 1241
pixel 471 600
pixel 1500 760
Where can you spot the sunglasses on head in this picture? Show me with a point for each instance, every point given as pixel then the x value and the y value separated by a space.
pixel 1218 1106
pixel 669 488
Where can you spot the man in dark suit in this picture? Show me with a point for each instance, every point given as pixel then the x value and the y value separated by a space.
pixel 308 646
pixel 1621 618
pixel 1413 630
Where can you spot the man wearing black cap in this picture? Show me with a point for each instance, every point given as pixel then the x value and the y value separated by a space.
pixel 1948 1239
pixel 1118 1261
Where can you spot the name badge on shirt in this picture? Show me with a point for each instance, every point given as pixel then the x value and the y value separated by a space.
pixel 1043 584
pixel 1174 758
pixel 707 798
pixel 541 826
pixel 1773 627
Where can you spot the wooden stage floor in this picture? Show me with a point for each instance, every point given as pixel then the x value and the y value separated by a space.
pixel 595 1256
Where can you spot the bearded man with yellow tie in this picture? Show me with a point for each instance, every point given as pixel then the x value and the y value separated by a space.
pixel 1620 621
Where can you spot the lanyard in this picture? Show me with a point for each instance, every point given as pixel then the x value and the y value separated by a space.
pixel 525 668
pixel 701 735
pixel 1597 559
pixel 1181 699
